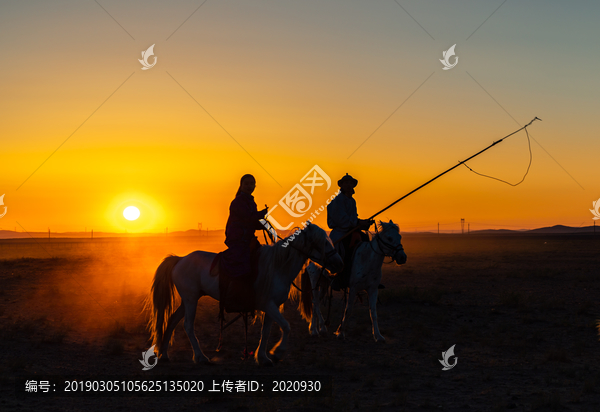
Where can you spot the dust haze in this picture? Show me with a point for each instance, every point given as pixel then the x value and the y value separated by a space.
pixel 521 309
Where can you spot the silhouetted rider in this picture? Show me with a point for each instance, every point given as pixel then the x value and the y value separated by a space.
pixel 342 217
pixel 243 221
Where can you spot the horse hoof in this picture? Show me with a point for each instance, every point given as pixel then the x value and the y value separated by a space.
pixel 263 360
pixel 267 362
pixel 164 359
pixel 275 359
pixel 203 362
pixel 380 339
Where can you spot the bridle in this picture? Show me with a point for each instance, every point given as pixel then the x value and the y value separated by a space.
pixel 389 246
pixel 326 257
pixel 308 255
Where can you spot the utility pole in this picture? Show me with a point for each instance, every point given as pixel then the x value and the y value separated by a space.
pixel 438 228
pixel 468 228
pixel 48 233
pixel 462 226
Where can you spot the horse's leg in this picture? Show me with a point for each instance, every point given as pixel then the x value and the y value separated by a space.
pixel 261 352
pixel 190 316
pixel 351 296
pixel 314 321
pixel 321 294
pixel 280 347
pixel 329 299
pixel 372 295
pixel 171 325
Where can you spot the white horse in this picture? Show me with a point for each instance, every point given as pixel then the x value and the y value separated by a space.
pixel 190 275
pixel 365 275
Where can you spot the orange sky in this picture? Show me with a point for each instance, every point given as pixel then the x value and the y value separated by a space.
pixel 296 85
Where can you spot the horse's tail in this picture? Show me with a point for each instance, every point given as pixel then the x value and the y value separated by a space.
pixel 307 296
pixel 160 300
pixel 303 296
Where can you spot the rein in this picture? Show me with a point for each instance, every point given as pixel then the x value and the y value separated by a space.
pixel 308 256
pixel 394 249
pixel 329 254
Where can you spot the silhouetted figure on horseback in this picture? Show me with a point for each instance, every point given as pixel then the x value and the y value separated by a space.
pixel 197 274
pixel 238 265
pixel 342 217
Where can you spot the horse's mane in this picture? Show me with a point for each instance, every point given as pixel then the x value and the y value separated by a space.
pixel 278 258
pixel 382 226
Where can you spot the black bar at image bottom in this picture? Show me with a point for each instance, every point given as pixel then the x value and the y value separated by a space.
pixel 36 386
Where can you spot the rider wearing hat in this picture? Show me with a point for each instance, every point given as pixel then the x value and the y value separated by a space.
pixel 342 217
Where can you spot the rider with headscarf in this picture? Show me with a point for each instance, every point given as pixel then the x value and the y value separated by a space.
pixel 244 220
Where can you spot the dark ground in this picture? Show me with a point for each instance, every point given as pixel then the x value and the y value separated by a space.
pixel 521 310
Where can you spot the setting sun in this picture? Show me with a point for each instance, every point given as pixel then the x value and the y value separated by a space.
pixel 131 213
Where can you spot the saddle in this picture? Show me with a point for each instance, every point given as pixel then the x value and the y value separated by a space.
pixel 214 266
pixel 236 294
pixel 342 280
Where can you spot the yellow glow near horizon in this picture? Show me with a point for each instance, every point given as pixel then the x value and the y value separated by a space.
pixel 318 94
pixel 151 213
pixel 131 213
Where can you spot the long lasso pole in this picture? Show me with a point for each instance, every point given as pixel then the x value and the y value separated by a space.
pixel 440 175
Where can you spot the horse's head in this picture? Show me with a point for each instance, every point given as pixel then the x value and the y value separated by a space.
pixel 390 241
pixel 322 250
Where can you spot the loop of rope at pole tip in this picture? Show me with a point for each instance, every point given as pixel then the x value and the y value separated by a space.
pixel 526 173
